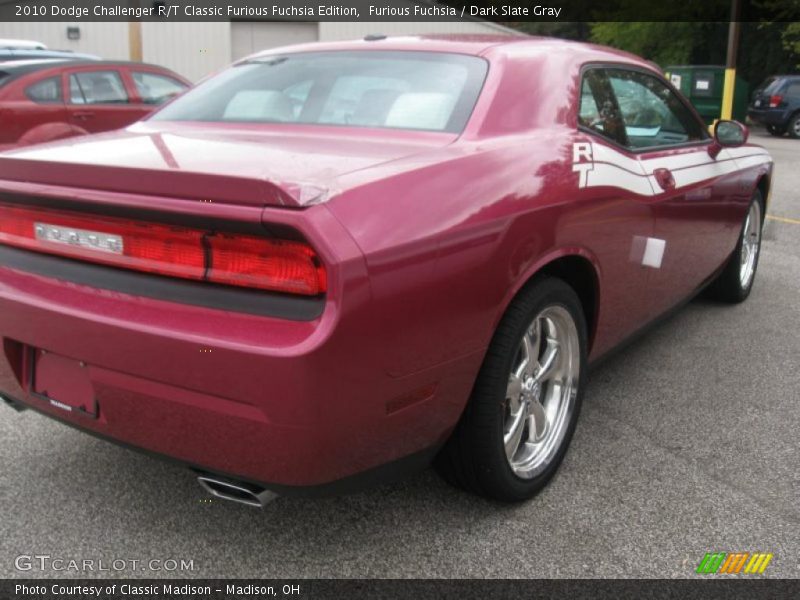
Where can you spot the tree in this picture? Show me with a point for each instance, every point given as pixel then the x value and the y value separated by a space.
pixel 791 41
pixel 665 43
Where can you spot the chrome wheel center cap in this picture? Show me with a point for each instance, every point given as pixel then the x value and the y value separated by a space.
pixel 531 390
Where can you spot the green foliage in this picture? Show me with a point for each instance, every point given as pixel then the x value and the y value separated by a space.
pixel 665 43
pixel 791 41
pixel 561 29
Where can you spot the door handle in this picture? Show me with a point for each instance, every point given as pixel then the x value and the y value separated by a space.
pixel 83 114
pixel 665 179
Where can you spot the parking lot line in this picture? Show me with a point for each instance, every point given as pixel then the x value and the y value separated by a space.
pixel 784 219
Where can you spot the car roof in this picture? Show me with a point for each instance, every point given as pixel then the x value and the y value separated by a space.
pixel 474 44
pixel 6 43
pixel 26 53
pixel 19 68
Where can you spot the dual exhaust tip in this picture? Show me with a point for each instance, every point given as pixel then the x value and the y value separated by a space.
pixel 236 491
pixel 226 489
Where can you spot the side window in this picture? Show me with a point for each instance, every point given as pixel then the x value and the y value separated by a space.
pixel 793 91
pixel 156 89
pixel 598 110
pixel 97 87
pixel 652 114
pixel 47 91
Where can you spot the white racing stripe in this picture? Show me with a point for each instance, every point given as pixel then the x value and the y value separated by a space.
pixel 609 167
pixel 605 174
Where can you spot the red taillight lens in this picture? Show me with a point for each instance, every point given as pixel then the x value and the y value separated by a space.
pixel 268 264
pixel 153 248
pixel 226 258
pixel 775 101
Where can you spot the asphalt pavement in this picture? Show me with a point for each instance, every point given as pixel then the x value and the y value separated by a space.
pixel 687 444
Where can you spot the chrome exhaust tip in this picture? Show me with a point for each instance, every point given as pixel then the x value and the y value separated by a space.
pixel 236 491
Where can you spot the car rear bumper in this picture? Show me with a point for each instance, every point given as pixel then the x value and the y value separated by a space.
pixel 776 117
pixel 284 403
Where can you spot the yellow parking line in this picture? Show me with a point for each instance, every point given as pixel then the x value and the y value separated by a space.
pixel 784 219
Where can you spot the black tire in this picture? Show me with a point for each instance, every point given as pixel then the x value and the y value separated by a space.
pixel 776 130
pixel 474 457
pixel 728 286
pixel 794 126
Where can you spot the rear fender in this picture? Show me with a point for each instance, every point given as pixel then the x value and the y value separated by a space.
pixel 538 265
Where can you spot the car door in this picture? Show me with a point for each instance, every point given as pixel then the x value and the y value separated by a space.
pixel 98 99
pixel 691 190
pixel 618 218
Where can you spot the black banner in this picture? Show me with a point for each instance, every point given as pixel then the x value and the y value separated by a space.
pixel 396 10
pixel 207 589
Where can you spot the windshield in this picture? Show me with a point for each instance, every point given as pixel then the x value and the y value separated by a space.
pixel 404 90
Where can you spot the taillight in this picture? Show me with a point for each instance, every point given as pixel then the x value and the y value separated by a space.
pixel 775 100
pixel 264 263
pixel 224 258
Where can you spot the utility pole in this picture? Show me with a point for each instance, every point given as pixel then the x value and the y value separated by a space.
pixel 730 62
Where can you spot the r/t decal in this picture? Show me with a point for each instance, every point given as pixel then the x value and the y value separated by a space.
pixel 582 161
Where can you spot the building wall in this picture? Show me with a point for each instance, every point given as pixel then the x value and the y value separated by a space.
pixel 107 40
pixel 198 49
pixel 192 49
pixel 248 37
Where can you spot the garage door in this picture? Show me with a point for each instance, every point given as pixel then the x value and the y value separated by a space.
pixel 251 36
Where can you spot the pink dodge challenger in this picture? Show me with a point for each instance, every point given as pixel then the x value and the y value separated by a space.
pixel 332 264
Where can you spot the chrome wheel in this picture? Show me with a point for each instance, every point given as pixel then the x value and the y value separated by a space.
pixel 796 127
pixel 541 392
pixel 751 243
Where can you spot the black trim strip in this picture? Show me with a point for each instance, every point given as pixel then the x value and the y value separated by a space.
pixel 209 295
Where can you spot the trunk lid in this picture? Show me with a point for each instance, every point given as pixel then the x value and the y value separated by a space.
pixel 292 166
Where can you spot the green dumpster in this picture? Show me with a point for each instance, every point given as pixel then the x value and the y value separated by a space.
pixel 702 85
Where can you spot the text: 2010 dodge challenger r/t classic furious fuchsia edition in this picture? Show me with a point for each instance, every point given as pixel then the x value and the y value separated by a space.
pixel 334 263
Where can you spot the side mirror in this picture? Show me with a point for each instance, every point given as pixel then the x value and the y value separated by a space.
pixel 727 134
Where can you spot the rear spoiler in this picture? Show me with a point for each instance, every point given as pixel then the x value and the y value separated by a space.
pixel 25 176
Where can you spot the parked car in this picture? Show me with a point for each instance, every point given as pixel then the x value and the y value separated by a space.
pixel 46 100
pixel 7 44
pixel 776 104
pixel 334 263
pixel 14 54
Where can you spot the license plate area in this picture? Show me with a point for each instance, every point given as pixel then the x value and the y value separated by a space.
pixel 62 382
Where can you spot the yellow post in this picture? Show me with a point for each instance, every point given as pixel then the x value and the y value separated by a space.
pixel 727 94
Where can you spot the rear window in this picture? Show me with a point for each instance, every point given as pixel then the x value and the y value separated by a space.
pixel 403 90
pixel 154 88
pixel 770 85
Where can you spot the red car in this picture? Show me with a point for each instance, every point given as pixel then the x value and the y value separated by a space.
pixel 335 263
pixel 46 100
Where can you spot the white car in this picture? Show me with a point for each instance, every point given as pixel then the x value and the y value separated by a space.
pixel 21 45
